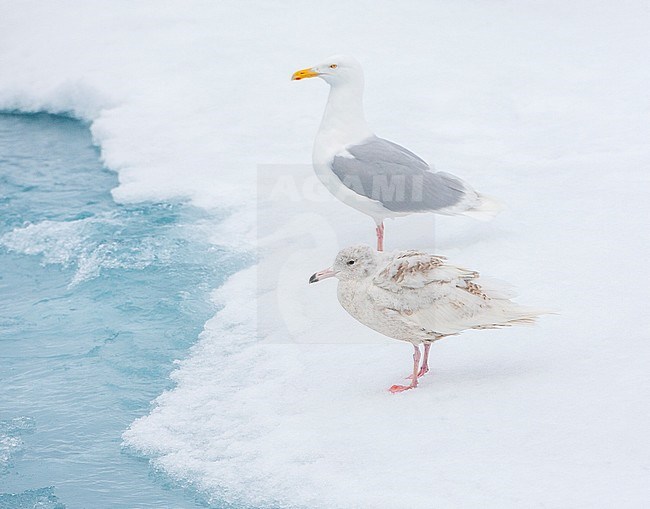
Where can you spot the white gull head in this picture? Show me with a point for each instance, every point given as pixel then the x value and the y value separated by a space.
pixel 352 263
pixel 337 70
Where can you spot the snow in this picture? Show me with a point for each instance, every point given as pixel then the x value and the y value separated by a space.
pixel 543 105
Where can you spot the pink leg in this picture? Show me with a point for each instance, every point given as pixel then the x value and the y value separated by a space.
pixel 414 380
pixel 425 362
pixel 380 236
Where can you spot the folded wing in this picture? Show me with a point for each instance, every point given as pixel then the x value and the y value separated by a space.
pixel 397 178
pixel 442 299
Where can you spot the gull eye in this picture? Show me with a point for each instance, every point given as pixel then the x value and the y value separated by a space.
pixel 333 66
pixel 351 262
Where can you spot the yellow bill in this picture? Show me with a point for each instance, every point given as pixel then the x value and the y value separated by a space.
pixel 304 73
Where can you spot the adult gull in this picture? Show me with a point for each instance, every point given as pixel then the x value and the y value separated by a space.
pixel 419 298
pixel 371 174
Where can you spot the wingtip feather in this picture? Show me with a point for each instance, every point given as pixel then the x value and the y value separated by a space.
pixel 486 208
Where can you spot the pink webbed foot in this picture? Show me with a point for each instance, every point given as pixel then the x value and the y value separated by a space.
pixel 417 371
pixel 401 388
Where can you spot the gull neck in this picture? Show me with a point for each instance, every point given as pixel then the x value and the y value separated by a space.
pixel 344 113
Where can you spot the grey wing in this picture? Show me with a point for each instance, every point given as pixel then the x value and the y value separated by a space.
pixel 396 177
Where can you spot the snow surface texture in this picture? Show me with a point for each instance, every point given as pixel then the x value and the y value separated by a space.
pixel 544 105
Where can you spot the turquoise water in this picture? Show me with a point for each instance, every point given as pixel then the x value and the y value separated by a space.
pixel 96 302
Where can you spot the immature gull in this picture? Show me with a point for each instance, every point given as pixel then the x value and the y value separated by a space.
pixel 420 298
pixel 373 175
